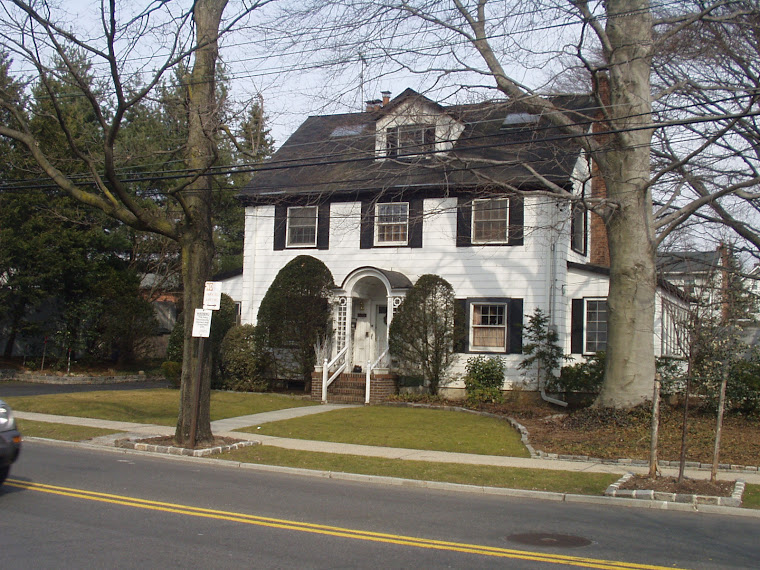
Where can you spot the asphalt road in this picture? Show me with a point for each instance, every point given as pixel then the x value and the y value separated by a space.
pixel 72 507
pixel 12 388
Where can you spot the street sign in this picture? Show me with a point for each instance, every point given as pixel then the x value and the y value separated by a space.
pixel 212 295
pixel 202 323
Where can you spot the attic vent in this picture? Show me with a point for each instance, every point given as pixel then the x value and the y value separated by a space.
pixel 347 131
pixel 513 120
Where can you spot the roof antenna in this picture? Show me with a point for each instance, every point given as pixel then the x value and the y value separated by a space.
pixel 361 79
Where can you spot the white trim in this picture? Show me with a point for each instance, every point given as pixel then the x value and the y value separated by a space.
pixel 377 225
pixel 471 326
pixel 585 322
pixel 473 222
pixel 288 243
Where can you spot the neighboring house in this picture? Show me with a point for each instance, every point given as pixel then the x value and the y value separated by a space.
pixel 467 192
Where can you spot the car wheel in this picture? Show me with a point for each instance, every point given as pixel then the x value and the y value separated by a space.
pixel 4 473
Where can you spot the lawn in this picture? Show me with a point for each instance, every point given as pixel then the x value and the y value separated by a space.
pixel 62 432
pixel 412 428
pixel 513 478
pixel 159 406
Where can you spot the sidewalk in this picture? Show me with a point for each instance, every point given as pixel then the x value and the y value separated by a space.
pixel 227 427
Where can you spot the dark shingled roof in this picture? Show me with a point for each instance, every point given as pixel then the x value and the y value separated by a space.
pixel 688 262
pixel 336 153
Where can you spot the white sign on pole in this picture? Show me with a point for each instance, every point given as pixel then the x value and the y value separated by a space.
pixel 202 323
pixel 212 295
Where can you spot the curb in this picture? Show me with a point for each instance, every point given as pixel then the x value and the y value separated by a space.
pixel 422 484
pixel 735 500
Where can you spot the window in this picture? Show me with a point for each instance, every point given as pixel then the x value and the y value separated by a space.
pixel 595 325
pixel 489 327
pixel 490 220
pixel 674 329
pixel 302 226
pixel 410 140
pixel 391 223
pixel 578 228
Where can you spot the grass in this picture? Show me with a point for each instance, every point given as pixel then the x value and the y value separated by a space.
pixel 429 429
pixel 158 406
pixel 513 478
pixel 751 499
pixel 63 432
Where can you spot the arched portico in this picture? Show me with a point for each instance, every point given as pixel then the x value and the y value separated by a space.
pixel 364 306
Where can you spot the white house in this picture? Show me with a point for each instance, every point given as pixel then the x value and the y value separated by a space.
pixel 468 192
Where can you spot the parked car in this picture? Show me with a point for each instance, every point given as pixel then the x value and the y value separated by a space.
pixel 10 440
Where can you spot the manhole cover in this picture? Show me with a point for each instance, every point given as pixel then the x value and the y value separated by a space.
pixel 545 539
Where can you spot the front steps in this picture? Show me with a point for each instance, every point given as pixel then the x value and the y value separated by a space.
pixel 349 388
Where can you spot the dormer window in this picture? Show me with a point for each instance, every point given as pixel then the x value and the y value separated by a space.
pixel 410 140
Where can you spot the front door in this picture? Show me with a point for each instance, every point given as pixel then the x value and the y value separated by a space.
pixel 362 333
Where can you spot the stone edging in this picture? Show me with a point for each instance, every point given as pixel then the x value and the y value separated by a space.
pixel 171 450
pixel 72 378
pixel 534 454
pixel 735 500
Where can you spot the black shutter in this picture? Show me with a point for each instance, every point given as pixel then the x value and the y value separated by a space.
pixel 464 222
pixel 323 226
pixel 415 223
pixel 391 142
pixel 515 326
pixel 429 141
pixel 280 226
pixel 462 327
pixel 516 221
pixel 367 226
pixel 576 327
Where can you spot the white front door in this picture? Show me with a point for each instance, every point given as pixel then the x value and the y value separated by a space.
pixel 362 337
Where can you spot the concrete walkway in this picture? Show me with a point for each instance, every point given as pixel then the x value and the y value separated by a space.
pixel 228 426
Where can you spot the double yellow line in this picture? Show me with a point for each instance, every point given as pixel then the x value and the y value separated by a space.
pixel 330 530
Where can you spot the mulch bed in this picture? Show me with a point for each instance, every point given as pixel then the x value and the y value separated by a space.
pixel 686 487
pixel 168 441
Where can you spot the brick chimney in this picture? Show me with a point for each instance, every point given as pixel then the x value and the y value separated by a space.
pixel 374 105
pixel 599 251
pixel 386 97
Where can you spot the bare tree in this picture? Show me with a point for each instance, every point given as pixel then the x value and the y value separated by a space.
pixel 129 43
pixel 480 45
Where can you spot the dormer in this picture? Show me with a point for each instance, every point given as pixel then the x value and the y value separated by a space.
pixel 412 126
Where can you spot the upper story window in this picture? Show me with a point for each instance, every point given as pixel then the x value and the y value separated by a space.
pixel 392 223
pixel 578 228
pixel 302 226
pixel 490 220
pixel 410 140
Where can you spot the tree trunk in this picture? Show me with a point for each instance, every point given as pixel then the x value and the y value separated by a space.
pixel 719 426
pixel 655 429
pixel 196 240
pixel 624 164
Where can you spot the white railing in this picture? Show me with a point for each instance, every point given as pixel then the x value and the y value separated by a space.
pixel 370 368
pixel 326 378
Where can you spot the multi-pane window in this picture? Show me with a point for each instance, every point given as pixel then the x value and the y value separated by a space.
pixel 302 226
pixel 596 325
pixel 489 220
pixel 489 327
pixel 674 329
pixel 392 223
pixel 578 225
pixel 409 140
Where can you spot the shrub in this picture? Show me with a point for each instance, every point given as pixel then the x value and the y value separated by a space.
pixel 425 330
pixel 484 380
pixel 295 313
pixel 244 365
pixel 586 376
pixel 172 371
